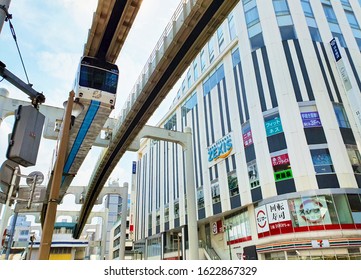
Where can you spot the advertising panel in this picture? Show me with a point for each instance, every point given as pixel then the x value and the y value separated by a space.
pixel 311 119
pixel 273 126
pixel 220 150
pixel 247 138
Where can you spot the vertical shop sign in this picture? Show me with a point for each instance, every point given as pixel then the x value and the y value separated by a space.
pixel 247 138
pixel 262 220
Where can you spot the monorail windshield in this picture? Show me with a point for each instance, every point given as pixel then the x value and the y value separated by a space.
pixel 98 78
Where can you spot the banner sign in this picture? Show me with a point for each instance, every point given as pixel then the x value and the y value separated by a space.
pixel 273 126
pixel 273 218
pixel 247 138
pixel 335 50
pixel 221 149
pixel 280 160
pixel 311 119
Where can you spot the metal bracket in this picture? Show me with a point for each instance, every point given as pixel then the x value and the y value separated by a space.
pixel 8 16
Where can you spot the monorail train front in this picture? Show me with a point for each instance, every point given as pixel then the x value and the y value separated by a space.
pixel 96 80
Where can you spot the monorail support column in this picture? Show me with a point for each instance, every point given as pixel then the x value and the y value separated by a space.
pixel 185 140
pixel 191 198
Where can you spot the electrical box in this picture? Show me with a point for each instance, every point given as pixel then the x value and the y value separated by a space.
pixel 26 135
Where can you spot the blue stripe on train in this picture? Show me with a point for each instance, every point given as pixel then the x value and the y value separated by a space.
pixel 83 130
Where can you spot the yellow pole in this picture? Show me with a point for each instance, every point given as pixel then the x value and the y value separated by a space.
pixel 50 217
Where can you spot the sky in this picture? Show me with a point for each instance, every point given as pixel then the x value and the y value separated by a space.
pixel 51 37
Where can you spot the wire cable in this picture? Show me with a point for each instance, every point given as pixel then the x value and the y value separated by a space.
pixel 17 46
pixel 8 18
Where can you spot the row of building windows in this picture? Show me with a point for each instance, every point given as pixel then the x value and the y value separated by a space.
pixel 318 148
pixel 254 28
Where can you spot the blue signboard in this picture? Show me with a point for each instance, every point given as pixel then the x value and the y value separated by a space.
pixel 335 49
pixel 221 149
pixel 310 119
pixel 134 167
pixel 273 126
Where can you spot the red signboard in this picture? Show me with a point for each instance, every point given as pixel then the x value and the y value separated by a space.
pixel 280 160
pixel 247 138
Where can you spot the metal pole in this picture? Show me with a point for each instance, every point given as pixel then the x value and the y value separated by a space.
pixel 6 209
pixel 11 236
pixel 228 227
pixel 4 7
pixel 32 237
pixel 123 225
pixel 103 247
pixel 191 199
pixel 50 217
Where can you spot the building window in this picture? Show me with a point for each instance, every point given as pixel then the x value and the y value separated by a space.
pixel 253 174
pixel 237 227
pixel 345 4
pixel 189 79
pixel 355 207
pixel 216 195
pixel 281 7
pixel 311 22
pixel 307 8
pixel 354 26
pixel 171 124
pixel 211 49
pixel 166 213
pixel 252 16
pixel 220 37
pixel 355 158
pixel 322 161
pixel 231 26
pixel 315 34
pixel 176 209
pixel 341 39
pixel 257 41
pixel 330 14
pixel 200 198
pixel 195 70
pixel 154 247
pixel 203 61
pixel 233 183
pixel 236 58
pixel 352 20
pixel 253 24
pixel 341 116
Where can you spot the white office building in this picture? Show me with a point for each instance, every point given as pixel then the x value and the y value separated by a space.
pixel 273 101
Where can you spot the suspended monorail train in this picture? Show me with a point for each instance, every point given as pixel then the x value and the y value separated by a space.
pixel 95 88
pixel 97 80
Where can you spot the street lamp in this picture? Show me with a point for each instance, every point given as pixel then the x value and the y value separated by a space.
pixel 228 227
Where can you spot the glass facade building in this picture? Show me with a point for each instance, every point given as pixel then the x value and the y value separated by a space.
pixel 272 101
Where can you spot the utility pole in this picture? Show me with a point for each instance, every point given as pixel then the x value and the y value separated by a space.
pixel 48 228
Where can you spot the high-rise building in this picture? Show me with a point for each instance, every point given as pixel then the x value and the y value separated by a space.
pixel 273 101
